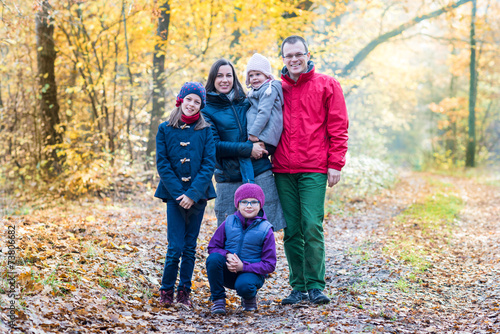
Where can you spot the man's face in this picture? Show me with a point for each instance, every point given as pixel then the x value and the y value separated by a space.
pixel 295 59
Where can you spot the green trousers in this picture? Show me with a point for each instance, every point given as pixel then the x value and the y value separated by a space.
pixel 302 198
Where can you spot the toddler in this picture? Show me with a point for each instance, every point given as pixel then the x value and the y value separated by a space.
pixel 265 116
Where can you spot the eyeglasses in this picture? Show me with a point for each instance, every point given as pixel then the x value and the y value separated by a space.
pixel 297 55
pixel 252 203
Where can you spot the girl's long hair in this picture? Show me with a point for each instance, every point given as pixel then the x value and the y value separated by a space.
pixel 175 118
pixel 212 75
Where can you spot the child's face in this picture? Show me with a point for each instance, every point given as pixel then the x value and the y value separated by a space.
pixel 191 104
pixel 249 207
pixel 256 78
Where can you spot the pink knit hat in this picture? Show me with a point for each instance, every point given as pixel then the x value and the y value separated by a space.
pixel 249 190
pixel 259 63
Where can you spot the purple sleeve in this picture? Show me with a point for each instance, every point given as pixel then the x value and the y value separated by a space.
pixel 217 242
pixel 267 263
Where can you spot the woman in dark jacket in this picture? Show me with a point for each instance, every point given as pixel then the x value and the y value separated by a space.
pixel 185 159
pixel 226 110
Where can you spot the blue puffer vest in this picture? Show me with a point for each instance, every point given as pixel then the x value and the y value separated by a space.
pixel 247 244
pixel 229 128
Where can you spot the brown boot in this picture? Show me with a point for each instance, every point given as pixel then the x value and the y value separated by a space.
pixel 166 297
pixel 183 298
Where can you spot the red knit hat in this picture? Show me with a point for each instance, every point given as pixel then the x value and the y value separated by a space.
pixel 249 190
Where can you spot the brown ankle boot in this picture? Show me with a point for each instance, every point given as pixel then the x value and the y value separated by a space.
pixel 167 297
pixel 183 298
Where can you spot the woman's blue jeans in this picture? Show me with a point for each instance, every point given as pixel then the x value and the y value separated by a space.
pixel 183 227
pixel 246 170
pixel 245 284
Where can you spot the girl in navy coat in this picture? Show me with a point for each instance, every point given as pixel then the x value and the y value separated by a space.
pixel 185 159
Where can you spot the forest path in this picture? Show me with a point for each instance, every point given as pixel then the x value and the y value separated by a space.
pixel 96 267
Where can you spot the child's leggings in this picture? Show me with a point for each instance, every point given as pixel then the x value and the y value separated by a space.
pixel 245 284
pixel 183 227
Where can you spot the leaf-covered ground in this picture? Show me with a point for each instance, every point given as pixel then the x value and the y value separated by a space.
pixel 423 257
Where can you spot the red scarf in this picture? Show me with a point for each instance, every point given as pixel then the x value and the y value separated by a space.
pixel 190 119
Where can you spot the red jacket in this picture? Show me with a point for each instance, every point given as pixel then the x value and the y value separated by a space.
pixel 315 125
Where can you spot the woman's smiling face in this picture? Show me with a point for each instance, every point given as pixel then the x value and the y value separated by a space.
pixel 224 80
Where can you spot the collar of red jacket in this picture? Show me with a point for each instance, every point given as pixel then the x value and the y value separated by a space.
pixel 302 78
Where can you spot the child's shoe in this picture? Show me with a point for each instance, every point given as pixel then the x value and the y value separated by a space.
pixel 183 298
pixel 166 297
pixel 219 306
pixel 249 304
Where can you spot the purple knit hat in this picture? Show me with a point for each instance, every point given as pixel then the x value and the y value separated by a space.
pixel 192 88
pixel 249 190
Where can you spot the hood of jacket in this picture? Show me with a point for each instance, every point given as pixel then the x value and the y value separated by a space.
pixel 221 100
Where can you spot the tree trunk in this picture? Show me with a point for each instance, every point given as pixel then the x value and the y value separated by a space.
pixel 131 82
pixel 1 101
pixel 49 107
pixel 471 143
pixel 158 78
pixel 452 140
pixel 361 55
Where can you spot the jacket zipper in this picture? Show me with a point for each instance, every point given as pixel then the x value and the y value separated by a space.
pixel 243 233
pixel 238 120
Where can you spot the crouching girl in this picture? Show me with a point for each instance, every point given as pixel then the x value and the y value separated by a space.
pixel 242 251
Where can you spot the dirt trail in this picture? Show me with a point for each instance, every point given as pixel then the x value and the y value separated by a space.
pixel 459 293
pixel 372 291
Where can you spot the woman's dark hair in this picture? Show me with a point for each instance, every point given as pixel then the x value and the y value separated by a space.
pixel 210 86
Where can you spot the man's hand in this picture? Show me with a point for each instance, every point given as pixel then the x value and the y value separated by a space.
pixel 186 202
pixel 333 177
pixel 233 263
pixel 258 150
pixel 253 138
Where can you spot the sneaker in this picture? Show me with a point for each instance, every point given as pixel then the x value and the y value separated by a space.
pixel 316 296
pixel 295 297
pixel 166 297
pixel 249 304
pixel 183 298
pixel 219 306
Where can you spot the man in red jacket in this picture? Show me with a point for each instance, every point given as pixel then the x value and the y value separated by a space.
pixel 311 153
